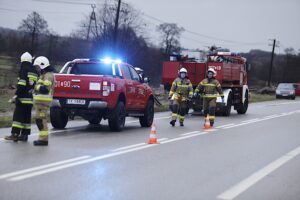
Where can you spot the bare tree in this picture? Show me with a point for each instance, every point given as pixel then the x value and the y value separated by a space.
pixel 34 25
pixel 170 37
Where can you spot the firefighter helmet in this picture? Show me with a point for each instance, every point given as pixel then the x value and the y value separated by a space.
pixel 212 71
pixel 183 70
pixel 26 57
pixel 42 62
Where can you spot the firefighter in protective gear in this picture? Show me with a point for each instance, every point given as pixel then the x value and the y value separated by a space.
pixel 43 94
pixel 210 89
pixel 28 75
pixel 180 94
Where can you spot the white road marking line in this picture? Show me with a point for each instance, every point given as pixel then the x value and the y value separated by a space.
pixel 251 120
pixel 284 103
pixel 184 134
pixel 129 146
pixel 257 176
pixel 30 175
pixel 8 175
pixel 222 126
pixel 210 130
pixel 184 137
pixel 162 139
pixel 45 171
pixel 136 145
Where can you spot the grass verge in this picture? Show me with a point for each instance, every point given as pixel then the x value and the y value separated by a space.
pixel 261 97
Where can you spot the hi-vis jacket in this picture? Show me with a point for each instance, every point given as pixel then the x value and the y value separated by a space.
pixel 44 87
pixel 210 88
pixel 181 89
pixel 26 81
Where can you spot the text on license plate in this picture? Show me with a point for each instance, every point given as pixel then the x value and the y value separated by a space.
pixel 76 101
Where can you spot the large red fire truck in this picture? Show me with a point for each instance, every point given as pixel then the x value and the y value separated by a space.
pixel 231 73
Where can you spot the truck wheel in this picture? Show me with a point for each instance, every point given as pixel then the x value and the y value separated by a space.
pixel 242 109
pixel 117 121
pixel 95 121
pixel 58 118
pixel 227 109
pixel 147 119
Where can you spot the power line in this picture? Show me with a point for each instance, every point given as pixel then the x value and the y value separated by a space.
pixel 49 12
pixel 64 2
pixel 205 36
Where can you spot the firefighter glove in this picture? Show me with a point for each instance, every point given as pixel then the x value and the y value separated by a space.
pixel 13 99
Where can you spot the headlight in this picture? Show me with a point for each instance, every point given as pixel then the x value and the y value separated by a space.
pixel 292 92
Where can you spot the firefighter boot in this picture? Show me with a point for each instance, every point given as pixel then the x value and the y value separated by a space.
pixel 12 137
pixel 23 138
pixel 172 122
pixel 181 124
pixel 40 143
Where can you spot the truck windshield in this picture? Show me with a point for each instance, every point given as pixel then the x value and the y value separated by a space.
pixel 92 69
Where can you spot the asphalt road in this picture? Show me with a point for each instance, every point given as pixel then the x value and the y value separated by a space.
pixel 245 157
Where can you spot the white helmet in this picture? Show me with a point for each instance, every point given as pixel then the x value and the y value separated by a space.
pixel 213 71
pixel 26 57
pixel 183 70
pixel 42 62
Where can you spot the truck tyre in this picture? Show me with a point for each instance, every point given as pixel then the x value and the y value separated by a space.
pixel 117 121
pixel 95 121
pixel 242 109
pixel 58 118
pixel 227 109
pixel 147 119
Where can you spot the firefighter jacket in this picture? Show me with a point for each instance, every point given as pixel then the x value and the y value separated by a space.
pixel 43 90
pixel 26 82
pixel 209 88
pixel 181 89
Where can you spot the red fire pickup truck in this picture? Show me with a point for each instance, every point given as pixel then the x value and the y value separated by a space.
pixel 98 89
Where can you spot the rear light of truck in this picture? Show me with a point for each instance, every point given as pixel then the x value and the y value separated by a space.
pixel 107 87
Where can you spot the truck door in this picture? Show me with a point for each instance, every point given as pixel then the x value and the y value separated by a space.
pixel 140 89
pixel 131 98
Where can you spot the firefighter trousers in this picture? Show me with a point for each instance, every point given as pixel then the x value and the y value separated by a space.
pixel 209 108
pixel 178 109
pixel 21 119
pixel 42 108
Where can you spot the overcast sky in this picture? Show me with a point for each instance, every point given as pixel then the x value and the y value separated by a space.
pixel 240 25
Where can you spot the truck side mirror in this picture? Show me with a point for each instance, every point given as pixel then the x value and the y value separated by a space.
pixel 146 80
pixel 248 67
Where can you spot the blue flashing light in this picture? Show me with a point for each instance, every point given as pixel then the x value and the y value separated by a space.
pixel 118 61
pixel 107 60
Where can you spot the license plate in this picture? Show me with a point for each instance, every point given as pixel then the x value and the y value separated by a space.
pixel 76 101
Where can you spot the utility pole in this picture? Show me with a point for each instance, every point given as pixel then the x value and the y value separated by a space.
pixel 92 18
pixel 271 66
pixel 116 27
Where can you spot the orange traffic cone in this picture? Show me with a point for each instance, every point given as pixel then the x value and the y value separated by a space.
pixel 153 139
pixel 207 123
